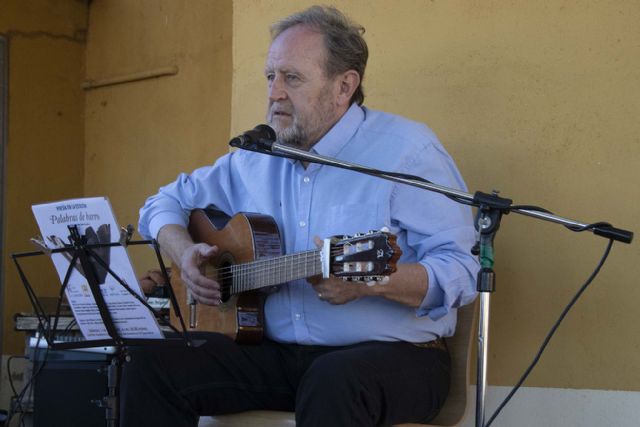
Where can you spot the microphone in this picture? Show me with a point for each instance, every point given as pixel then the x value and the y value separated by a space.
pixel 260 138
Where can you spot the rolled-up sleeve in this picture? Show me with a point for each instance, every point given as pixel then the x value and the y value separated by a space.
pixel 451 270
pixel 439 232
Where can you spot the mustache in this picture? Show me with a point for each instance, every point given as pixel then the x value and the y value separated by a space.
pixel 279 108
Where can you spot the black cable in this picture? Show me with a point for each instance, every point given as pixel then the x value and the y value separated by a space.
pixel 69 329
pixel 530 208
pixel 551 333
pixel 13 388
pixel 17 397
pixel 575 228
pixel 28 386
pixel 588 227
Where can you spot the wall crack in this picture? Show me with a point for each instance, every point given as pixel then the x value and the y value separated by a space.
pixel 79 36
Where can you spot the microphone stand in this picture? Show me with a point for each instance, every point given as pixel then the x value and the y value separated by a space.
pixel 491 207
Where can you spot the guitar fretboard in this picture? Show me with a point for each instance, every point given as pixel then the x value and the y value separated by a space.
pixel 274 271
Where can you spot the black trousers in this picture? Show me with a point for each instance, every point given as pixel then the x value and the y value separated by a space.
pixel 366 384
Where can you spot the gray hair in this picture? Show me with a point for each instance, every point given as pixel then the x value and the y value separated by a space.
pixel 346 48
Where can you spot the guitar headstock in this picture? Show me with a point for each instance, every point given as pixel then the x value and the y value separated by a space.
pixel 364 257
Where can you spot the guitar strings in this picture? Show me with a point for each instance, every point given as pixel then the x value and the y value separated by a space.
pixel 225 272
pixel 266 272
pixel 253 266
pixel 252 275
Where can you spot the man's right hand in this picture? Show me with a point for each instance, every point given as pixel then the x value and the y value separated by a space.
pixel 190 257
pixel 203 289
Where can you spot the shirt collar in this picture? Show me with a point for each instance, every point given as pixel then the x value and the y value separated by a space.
pixel 341 133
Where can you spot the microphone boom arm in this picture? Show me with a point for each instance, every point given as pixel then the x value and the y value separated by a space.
pixel 600 229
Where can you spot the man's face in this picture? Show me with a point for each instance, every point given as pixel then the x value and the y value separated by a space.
pixel 302 100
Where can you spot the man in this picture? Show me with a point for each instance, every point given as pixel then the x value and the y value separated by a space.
pixel 337 353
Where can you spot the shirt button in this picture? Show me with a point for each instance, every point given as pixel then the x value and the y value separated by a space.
pixel 306 179
pixel 298 316
pixel 302 223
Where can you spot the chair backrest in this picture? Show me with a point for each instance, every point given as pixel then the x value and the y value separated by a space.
pixel 456 407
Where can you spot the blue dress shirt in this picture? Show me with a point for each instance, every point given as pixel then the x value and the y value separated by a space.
pixel 325 201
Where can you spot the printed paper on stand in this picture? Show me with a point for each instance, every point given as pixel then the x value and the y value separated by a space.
pixel 95 220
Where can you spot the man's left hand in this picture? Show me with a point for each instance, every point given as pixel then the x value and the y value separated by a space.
pixel 151 280
pixel 337 291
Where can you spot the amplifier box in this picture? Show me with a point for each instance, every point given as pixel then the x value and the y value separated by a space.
pixel 67 386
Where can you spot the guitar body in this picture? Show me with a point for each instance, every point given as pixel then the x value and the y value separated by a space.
pixel 244 238
pixel 250 258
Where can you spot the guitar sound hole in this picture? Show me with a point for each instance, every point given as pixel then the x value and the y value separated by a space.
pixel 226 278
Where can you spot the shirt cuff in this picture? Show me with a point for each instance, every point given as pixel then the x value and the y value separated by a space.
pixel 433 298
pixel 160 221
pixel 458 291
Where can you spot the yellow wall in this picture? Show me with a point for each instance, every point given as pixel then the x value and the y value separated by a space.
pixel 536 99
pixel 45 152
pixel 140 135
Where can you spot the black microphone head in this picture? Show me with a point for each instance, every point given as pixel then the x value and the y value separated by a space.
pixel 265 132
pixel 262 135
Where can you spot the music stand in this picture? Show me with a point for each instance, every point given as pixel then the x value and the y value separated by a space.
pixel 83 255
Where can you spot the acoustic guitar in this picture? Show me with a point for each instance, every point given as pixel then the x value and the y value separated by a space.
pixel 250 260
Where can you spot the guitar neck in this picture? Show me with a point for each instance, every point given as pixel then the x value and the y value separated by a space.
pixel 274 271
